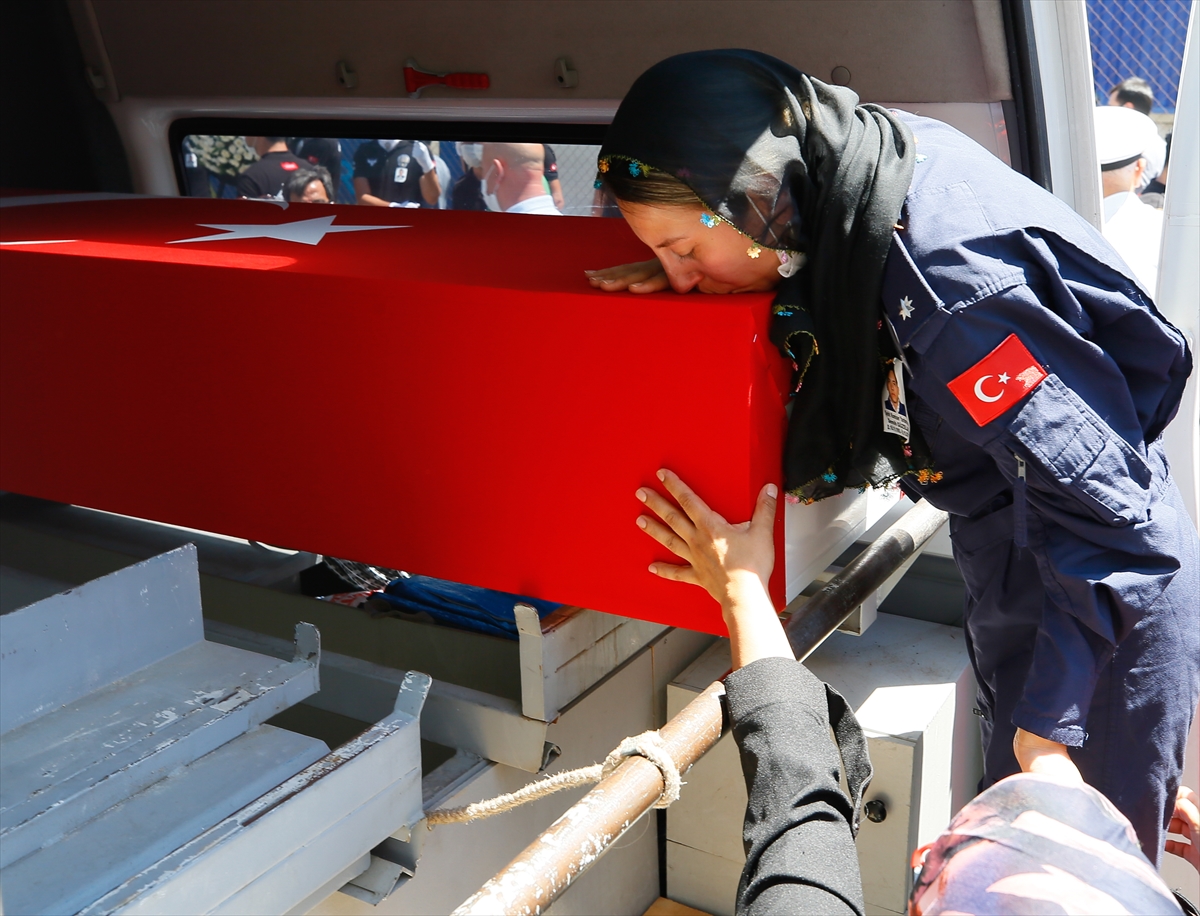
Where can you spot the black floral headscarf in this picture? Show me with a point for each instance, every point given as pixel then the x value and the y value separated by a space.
pixel 797 166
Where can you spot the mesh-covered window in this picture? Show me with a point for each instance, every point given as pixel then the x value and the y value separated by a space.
pixel 1143 38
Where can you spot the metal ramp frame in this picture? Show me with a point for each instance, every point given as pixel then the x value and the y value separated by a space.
pixel 137 774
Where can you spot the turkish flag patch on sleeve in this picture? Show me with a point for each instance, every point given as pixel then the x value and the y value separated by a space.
pixel 998 381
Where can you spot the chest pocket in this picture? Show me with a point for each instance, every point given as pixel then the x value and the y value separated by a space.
pixel 1071 446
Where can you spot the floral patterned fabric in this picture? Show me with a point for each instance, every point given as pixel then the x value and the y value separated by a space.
pixel 1031 844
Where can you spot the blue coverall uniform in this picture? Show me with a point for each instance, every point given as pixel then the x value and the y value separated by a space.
pixel 1081 563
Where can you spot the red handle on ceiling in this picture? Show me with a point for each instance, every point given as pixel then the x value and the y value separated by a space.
pixel 416 79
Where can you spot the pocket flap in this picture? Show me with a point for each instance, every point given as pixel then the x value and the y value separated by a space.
pixel 1078 450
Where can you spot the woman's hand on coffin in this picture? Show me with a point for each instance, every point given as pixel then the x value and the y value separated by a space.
pixel 1036 754
pixel 640 277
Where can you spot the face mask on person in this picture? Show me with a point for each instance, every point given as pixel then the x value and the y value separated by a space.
pixel 489 197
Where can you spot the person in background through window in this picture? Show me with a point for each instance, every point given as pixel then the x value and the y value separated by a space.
pixel 1136 93
pixel 1155 193
pixel 442 170
pixel 310 186
pixel 553 185
pixel 1132 227
pixel 467 194
pixel 513 176
pixel 368 167
pixel 275 166
pixel 407 177
pixel 323 151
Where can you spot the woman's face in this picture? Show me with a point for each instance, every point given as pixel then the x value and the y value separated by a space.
pixel 697 257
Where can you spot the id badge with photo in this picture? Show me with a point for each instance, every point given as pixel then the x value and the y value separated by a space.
pixel 401 175
pixel 895 410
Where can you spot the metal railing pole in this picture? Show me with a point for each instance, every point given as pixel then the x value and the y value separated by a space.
pixel 573 843
pixel 824 612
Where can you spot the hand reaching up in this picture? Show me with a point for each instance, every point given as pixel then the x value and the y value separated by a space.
pixel 732 562
pixel 1185 821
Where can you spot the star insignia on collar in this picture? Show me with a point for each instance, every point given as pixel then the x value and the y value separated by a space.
pixel 906 308
pixel 303 231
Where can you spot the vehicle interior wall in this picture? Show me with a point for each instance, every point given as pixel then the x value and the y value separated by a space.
pixel 915 51
pixel 65 59
pixel 156 63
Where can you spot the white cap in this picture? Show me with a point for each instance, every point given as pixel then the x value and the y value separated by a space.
pixel 1122 136
pixel 472 154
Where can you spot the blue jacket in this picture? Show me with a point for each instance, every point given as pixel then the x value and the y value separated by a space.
pixel 981 253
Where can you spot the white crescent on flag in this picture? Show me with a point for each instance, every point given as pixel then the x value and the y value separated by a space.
pixel 979 390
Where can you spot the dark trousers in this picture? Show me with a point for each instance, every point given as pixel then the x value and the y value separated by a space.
pixel 1145 698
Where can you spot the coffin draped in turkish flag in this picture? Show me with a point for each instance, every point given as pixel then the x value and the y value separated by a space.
pixel 440 392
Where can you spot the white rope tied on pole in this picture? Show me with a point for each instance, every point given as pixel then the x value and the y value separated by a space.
pixel 648 744
pixel 651 746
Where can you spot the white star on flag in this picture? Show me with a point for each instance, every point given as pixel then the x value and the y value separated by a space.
pixel 906 308
pixel 303 231
pixel 1003 379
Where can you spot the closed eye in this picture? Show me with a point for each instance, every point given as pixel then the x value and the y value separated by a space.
pixel 683 257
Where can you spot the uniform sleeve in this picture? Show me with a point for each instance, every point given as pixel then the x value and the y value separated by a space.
pixel 360 162
pixel 247 185
pixel 1084 483
pixel 800 853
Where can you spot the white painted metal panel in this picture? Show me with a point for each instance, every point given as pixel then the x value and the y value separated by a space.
pixel 1065 62
pixel 158 790
pixel 1179 298
pixel 276 851
pixel 71 644
pixel 145 714
pixel 702 880
pixel 1179 266
pixel 68 875
pixel 569 651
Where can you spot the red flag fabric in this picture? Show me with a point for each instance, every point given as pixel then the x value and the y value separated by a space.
pixel 998 381
pixel 440 392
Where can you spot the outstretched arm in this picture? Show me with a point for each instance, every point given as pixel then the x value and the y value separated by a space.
pixel 800 854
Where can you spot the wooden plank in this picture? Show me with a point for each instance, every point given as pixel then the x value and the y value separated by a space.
pixel 664 907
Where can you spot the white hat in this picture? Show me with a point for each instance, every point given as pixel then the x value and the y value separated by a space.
pixel 1122 136
pixel 472 154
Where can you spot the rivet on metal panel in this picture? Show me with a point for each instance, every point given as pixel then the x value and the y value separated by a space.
pixel 875 810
